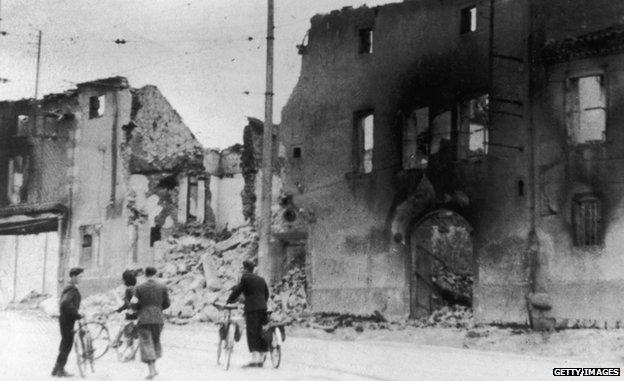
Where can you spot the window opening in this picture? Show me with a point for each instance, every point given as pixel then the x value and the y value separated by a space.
pixel 468 20
pixel 16 190
pixel 416 139
pixel 297 152
pixel 520 188
pixel 440 130
pixel 586 109
pixel 192 198
pixel 473 137
pixel 364 138
pixel 365 41
pixel 96 106
pixel 86 253
pixel 23 125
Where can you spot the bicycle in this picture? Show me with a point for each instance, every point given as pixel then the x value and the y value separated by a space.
pixel 91 342
pixel 126 342
pixel 227 334
pixel 274 334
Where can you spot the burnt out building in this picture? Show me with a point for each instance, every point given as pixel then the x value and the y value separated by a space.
pixel 89 177
pixel 495 121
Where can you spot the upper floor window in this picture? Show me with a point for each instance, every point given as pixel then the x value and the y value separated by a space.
pixel 296 152
pixel 364 127
pixel 586 219
pixel 89 241
pixel 586 109
pixel 97 106
pixel 16 187
pixel 473 128
pixel 23 125
pixel 415 139
pixel 365 41
pixel 468 22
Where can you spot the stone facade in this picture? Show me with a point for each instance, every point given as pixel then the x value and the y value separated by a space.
pixel 407 109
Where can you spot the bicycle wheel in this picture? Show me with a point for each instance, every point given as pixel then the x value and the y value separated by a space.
pixel 126 344
pixel 276 348
pixel 100 338
pixel 79 349
pixel 229 346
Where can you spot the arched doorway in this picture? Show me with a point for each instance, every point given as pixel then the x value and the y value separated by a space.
pixel 441 262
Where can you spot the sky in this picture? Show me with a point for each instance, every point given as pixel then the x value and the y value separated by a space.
pixel 203 55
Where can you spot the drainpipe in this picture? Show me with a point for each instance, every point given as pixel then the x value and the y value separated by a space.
pixel 533 242
pixel 114 148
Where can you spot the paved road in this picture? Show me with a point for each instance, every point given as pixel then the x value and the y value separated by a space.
pixel 29 343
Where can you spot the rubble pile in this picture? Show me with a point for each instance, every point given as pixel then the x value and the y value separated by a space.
pixel 199 272
pixel 448 317
pixel 288 298
pixel 103 303
pixel 453 287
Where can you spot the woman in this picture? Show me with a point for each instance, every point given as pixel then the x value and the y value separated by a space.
pixel 129 329
pixel 130 281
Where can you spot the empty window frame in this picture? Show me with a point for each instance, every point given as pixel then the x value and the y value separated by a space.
pixel 23 125
pixel 365 38
pixel 415 139
pixel 192 198
pixel 586 109
pixel 468 22
pixel 364 132
pixel 16 187
pixel 296 152
pixel 473 135
pixel 441 128
pixel 586 219
pixel 88 246
pixel 97 106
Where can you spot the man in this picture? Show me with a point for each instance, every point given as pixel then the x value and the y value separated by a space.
pixel 151 298
pixel 69 305
pixel 256 293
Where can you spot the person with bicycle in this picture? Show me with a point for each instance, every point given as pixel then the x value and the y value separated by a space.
pixel 69 306
pixel 256 293
pixel 150 299
pixel 129 329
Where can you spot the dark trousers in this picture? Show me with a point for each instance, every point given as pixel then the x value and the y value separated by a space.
pixel 254 321
pixel 149 342
pixel 67 340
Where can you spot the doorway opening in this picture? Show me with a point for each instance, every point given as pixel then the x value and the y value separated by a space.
pixel 441 262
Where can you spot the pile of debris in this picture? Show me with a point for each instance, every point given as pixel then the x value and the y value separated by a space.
pixel 329 322
pixel 104 303
pixel 451 286
pixel 199 272
pixel 288 298
pixel 447 317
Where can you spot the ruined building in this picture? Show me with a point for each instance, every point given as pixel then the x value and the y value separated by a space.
pixel 493 120
pixel 226 186
pixel 92 177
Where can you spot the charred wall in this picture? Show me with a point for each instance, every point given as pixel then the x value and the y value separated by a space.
pixel 417 61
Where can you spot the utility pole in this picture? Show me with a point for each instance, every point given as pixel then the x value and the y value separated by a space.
pixel 264 261
pixel 38 66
